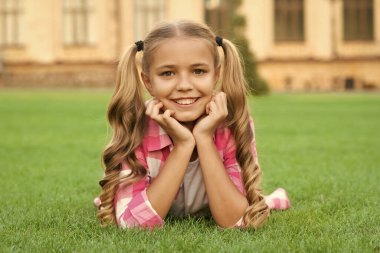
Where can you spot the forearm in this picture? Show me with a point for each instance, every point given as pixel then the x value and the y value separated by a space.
pixel 164 188
pixel 226 202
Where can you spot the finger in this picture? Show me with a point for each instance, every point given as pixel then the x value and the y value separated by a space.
pixel 167 114
pixel 218 101
pixel 150 100
pixel 168 120
pixel 156 109
pixel 220 96
pixel 224 102
pixel 150 105
pixel 148 108
pixel 208 108
pixel 155 113
pixel 223 95
pixel 221 101
pixel 208 104
pixel 213 108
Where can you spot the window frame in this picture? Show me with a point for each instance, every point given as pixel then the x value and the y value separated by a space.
pixel 147 14
pixel 76 21
pixel 357 24
pixel 10 22
pixel 289 21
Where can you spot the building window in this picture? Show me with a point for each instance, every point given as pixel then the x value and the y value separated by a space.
pixel 148 13
pixel 358 20
pixel 289 20
pixel 218 17
pixel 78 22
pixel 10 15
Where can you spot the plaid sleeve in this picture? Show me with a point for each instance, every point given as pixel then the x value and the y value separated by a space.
pixel 132 207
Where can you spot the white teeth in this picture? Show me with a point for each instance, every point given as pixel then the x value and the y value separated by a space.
pixel 185 101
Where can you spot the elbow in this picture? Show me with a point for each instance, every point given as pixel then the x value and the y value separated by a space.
pixel 226 225
pixel 233 219
pixel 147 226
pixel 230 223
pixel 132 223
pixel 129 220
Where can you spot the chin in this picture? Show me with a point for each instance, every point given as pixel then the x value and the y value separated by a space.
pixel 186 118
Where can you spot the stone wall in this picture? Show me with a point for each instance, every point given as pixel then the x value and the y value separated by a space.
pixel 59 75
pixel 330 75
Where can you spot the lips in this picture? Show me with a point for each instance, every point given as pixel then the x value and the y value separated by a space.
pixel 185 101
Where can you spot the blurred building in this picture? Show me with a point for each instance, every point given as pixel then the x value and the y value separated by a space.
pixel 77 42
pixel 310 45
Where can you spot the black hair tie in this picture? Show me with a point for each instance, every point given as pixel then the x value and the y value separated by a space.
pixel 219 41
pixel 139 45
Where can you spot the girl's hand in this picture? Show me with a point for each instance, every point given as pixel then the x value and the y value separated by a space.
pixel 179 134
pixel 216 112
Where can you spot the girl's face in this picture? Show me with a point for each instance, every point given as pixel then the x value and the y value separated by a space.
pixel 182 76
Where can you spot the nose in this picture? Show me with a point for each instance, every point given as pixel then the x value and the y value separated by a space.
pixel 184 83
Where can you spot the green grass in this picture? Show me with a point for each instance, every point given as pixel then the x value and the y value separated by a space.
pixel 323 148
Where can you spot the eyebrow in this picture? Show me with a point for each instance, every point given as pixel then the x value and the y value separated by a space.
pixel 169 66
pixel 199 64
pixel 165 66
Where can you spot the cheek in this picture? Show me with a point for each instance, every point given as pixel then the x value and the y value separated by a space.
pixel 160 89
pixel 206 86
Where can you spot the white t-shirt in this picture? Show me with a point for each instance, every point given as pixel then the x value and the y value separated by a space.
pixel 191 198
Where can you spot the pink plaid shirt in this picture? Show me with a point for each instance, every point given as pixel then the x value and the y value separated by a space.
pixel 132 206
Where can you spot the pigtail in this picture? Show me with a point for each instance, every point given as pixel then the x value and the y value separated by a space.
pixel 126 113
pixel 235 87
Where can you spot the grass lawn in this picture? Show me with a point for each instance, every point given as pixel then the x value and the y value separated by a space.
pixel 323 148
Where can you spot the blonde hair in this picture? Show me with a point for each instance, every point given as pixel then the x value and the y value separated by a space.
pixel 126 117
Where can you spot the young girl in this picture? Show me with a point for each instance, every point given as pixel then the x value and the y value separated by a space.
pixel 190 150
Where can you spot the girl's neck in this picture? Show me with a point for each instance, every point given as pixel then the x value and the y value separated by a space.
pixel 188 125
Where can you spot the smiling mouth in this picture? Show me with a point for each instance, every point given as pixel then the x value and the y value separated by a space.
pixel 185 101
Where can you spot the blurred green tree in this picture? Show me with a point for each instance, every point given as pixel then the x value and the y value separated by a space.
pixel 222 16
